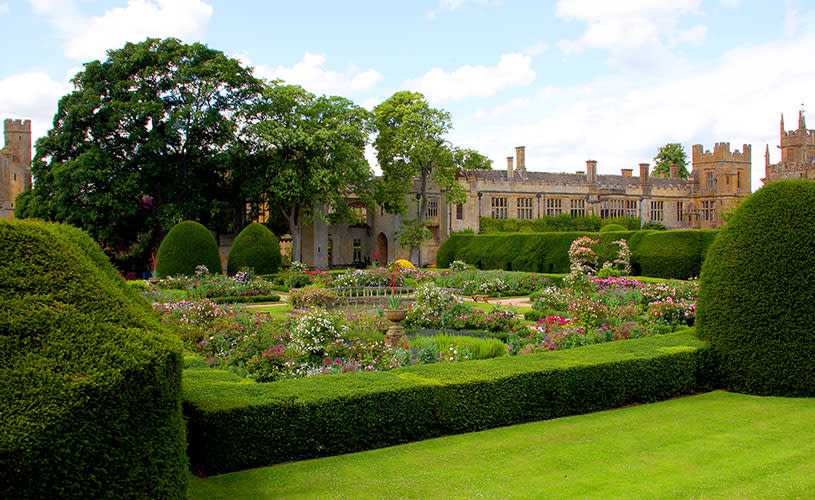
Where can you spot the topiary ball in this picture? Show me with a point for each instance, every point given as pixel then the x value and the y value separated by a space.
pixel 756 302
pixel 187 246
pixel 257 248
pixel 91 380
pixel 612 227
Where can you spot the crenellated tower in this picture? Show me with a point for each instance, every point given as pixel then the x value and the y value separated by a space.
pixel 797 153
pixel 721 178
pixel 15 163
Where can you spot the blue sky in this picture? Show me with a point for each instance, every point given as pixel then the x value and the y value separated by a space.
pixel 571 80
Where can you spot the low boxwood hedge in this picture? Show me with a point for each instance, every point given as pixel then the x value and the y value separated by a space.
pixel 91 380
pixel 246 299
pixel 234 423
pixel 660 254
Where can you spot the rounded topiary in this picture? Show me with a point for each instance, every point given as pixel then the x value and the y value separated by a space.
pixel 612 227
pixel 91 381
pixel 187 246
pixel 257 248
pixel 756 302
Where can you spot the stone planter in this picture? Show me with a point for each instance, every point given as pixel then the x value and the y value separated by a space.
pixel 395 336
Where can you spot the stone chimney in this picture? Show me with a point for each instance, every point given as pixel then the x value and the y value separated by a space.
pixel 510 170
pixel 627 171
pixel 520 154
pixel 644 179
pixel 674 171
pixel 591 171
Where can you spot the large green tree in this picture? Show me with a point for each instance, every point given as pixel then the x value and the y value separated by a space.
pixel 670 154
pixel 312 155
pixel 146 139
pixel 411 144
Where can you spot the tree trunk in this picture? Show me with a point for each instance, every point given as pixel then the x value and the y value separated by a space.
pixel 295 230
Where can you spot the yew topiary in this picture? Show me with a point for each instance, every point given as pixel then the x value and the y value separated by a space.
pixel 612 227
pixel 187 246
pixel 91 380
pixel 756 301
pixel 257 248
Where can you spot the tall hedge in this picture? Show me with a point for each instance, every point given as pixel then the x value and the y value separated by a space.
pixel 257 248
pixel 660 254
pixel 187 246
pixel 235 424
pixel 757 292
pixel 90 379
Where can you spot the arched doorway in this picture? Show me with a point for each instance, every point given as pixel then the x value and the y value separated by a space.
pixel 382 249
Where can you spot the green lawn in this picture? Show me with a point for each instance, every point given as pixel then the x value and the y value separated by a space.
pixel 711 446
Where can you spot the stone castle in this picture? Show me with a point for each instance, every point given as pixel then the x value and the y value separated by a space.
pixel 15 164
pixel 797 154
pixel 717 181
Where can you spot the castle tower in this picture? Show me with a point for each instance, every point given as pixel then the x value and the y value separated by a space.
pixel 723 177
pixel 797 153
pixel 15 163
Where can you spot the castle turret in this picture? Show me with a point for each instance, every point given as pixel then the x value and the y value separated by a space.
pixel 802 123
pixel 18 140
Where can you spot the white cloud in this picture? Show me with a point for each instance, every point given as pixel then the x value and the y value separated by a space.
pixel 31 96
pixel 503 110
pixel 451 5
pixel 694 36
pixel 634 32
pixel 537 49
pixel 3 8
pixel 622 121
pixel 311 74
pixel 88 38
pixel 437 85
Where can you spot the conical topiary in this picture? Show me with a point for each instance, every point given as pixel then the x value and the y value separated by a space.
pixel 187 246
pixel 756 301
pixel 256 248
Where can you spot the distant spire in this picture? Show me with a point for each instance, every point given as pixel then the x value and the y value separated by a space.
pixel 802 124
pixel 782 124
pixel 767 156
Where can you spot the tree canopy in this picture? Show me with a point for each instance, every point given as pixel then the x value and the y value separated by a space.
pixel 411 142
pixel 670 154
pixel 146 139
pixel 312 155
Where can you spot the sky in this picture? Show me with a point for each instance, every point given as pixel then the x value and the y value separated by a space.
pixel 571 80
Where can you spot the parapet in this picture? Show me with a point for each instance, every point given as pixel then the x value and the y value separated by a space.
pixel 721 152
pixel 10 125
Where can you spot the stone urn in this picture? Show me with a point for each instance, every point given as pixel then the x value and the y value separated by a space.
pixel 395 336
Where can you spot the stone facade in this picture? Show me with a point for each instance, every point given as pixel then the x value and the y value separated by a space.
pixel 797 154
pixel 15 164
pixel 718 179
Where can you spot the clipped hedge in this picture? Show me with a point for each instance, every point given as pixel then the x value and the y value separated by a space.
pixel 257 248
pixel 757 292
pixel 91 381
pixel 234 423
pixel 659 254
pixel 670 254
pixel 187 246
pixel 245 299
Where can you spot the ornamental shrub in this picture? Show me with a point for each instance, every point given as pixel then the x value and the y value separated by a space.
pixel 756 301
pixel 256 248
pixel 612 227
pixel 187 246
pixel 91 380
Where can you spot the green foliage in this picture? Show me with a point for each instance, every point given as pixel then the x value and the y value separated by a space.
pixel 187 246
pixel 256 248
pixel 146 140
pixel 556 223
pixel 757 295
pixel 655 226
pixel 612 227
pixel 668 254
pixel 311 154
pixel 412 233
pixel 670 154
pixel 91 381
pixel 235 425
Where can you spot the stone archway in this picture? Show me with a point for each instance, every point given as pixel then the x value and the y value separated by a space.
pixel 382 249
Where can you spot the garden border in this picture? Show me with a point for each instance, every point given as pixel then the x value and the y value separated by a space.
pixel 235 423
